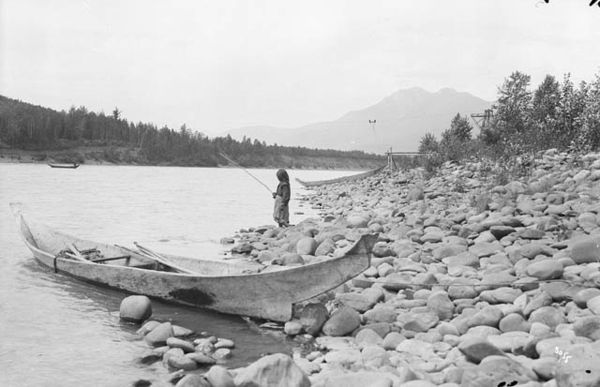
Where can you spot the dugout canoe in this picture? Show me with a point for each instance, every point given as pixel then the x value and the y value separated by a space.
pixel 63 165
pixel 342 179
pixel 249 289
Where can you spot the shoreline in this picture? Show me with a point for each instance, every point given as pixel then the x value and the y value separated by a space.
pixel 28 157
pixel 477 277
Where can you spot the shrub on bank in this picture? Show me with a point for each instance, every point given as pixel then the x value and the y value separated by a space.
pixel 522 124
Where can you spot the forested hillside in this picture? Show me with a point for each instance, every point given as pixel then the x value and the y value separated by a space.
pixel 78 134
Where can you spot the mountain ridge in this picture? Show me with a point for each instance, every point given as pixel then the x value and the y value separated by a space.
pixel 402 118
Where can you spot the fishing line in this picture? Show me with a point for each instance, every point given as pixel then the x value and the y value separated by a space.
pixel 245 170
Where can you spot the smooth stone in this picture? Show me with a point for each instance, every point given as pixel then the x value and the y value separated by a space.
pixel 380 313
pixel 593 304
pixel 278 370
pixel 441 305
pixel 135 308
pixel 448 250
pixel 548 315
pixel 219 376
pixel 224 343
pixel 292 328
pixel 416 347
pixel 181 362
pixel 496 371
pixel 201 358
pixel 539 329
pixel 510 341
pixel 489 316
pixel 582 296
pixel 392 340
pixel 193 380
pixel 502 295
pixel 588 327
pixel 179 331
pixel 366 337
pixel 580 368
pixel 397 281
pixel 540 300
pixel 306 246
pixel 344 358
pixel 545 269
pixel 586 250
pixel 355 379
pixel 463 259
pixel 382 249
pixel 374 356
pixel 514 322
pixel 381 328
pixel 343 321
pixel 174 342
pixel 357 301
pixel 485 249
pixel 547 346
pixel 419 322
pixel 159 335
pixel 545 367
pixel 289 259
pixel 477 349
pixel 325 248
pixel 147 327
pixel 222 353
pixel 312 318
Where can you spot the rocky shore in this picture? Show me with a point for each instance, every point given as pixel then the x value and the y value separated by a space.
pixel 475 280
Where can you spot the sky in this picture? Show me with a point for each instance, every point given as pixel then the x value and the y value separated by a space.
pixel 222 64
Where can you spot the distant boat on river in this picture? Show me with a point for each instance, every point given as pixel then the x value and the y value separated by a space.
pixel 63 165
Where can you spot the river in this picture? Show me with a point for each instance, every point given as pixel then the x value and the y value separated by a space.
pixel 58 331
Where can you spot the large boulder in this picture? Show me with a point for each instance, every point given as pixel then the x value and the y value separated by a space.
pixel 342 322
pixel 278 370
pixel 135 308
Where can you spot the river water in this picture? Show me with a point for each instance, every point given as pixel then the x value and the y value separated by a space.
pixel 58 331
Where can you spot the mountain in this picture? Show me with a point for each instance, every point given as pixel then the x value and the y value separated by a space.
pixel 402 119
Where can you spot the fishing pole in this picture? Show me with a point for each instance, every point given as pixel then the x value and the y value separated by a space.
pixel 245 170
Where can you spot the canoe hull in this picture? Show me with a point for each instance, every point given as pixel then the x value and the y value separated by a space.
pixel 267 295
pixel 342 179
pixel 67 165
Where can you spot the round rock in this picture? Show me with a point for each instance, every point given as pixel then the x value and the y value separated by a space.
pixel 135 308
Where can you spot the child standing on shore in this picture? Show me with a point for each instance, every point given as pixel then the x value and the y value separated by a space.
pixel 281 210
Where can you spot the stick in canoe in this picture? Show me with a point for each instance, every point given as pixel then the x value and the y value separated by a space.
pixel 159 259
pixel 151 254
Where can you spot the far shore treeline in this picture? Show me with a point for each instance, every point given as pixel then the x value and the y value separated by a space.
pixel 79 135
pixel 522 122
